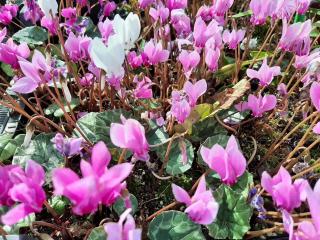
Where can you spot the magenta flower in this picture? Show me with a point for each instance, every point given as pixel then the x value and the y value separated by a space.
pixel 233 38
pixel 202 32
pixel 176 4
pixel 315 95
pixel 67 147
pixel 143 89
pixel 220 7
pixel 51 24
pixel 106 29
pixel 229 163
pixel 135 60
pixel 194 91
pixel 125 229
pixel 10 52
pixel 265 74
pixel 6 184
pixel 261 10
pixel 303 61
pixel 283 9
pixel 180 107
pixel 202 208
pixel 258 105
pixel 7 13
pixel 36 72
pixel 160 13
pixel 302 6
pixel 181 22
pixel 284 193
pixel 155 53
pixel 99 184
pixel 32 11
pixel 145 3
pixel 27 189
pixel 87 80
pixel 130 135
pixel 205 12
pixel 189 61
pixel 109 7
pixel 3 34
pixel 212 58
pixel 77 47
pixel 296 37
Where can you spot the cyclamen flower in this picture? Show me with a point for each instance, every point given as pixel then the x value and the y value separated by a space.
pixel 143 89
pixel 6 184
pixel 202 32
pixel 285 194
pixel 87 80
pixel 7 13
pixel 176 4
pixel 99 184
pixel 304 61
pixel 261 10
pixel 48 7
pixel 189 61
pixel 205 12
pixel 315 95
pixel 32 11
pixel 27 190
pixel 10 52
pixel 265 74
pixel 316 128
pixel 130 135
pixel 296 37
pixel 258 105
pixel 282 88
pixel 194 91
pixel 212 58
pixel 160 13
pixel 125 229
pixel 145 3
pixel 220 7
pixel 302 6
pixel 181 22
pixel 283 9
pixel 109 7
pixel 233 38
pixel 180 107
pixel 155 52
pixel 202 208
pixel 106 29
pixel 77 47
pixel 36 72
pixel 229 163
pixel 136 61
pixel 67 147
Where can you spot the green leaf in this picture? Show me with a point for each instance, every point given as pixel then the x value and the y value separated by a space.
pixel 57 111
pixel 176 164
pixel 233 219
pixel 31 35
pixel 58 203
pixel 174 225
pixel 233 116
pixel 7 69
pixel 96 126
pixel 119 206
pixel 8 145
pixel 242 14
pixel 41 150
pixel 156 134
pixel 220 139
pixel 98 233
pixel 262 54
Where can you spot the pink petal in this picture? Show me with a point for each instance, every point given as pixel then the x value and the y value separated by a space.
pixel 117 135
pixel 62 177
pixel 35 172
pixel 100 158
pixel 24 85
pixel 16 214
pixel 181 195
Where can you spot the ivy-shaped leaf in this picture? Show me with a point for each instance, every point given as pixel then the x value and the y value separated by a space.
pixel 174 225
pixel 96 126
pixel 8 145
pixel 119 206
pixel 233 219
pixel 41 150
pixel 181 156
pixel 98 233
pixel 57 111
pixel 34 35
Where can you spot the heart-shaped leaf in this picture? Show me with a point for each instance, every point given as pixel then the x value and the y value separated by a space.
pixel 34 35
pixel 57 111
pixel 97 233
pixel 119 206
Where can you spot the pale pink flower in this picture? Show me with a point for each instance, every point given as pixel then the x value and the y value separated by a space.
pixel 189 61
pixel 233 38
pixel 194 91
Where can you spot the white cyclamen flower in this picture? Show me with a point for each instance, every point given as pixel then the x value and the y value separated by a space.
pixel 48 6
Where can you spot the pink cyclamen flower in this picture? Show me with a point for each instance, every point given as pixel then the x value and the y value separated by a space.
pixel 176 4
pixel 302 6
pixel 202 32
pixel 145 3
pixel 282 88
pixel 143 89
pixel 220 7
pixel 285 194
pixel 303 61
pixel 3 34
pixel 6 184
pixel 51 24
pixel 316 128
pixel 87 80
pixel 7 13
pixel 10 52
pixel 99 184
pixel 130 135
pixel 125 229
pixel 160 13
pixel 212 58
pixel 265 74
pixel 109 7
pixel 283 9
pixel 205 12
pixel 36 72
pixel 258 105
pixel 261 10
pixel 67 147
pixel 181 22
pixel 194 91
pixel 155 53
pixel 315 95
pixel 229 163
pixel 27 190
pixel 180 107
pixel 233 38
pixel 202 208
pixel 189 61
pixel 106 29
pixel 296 37
pixel 135 60
pixel 77 47
pixel 32 11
